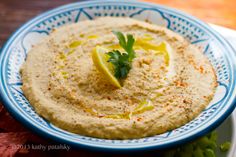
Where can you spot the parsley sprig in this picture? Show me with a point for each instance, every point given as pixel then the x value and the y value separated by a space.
pixel 122 61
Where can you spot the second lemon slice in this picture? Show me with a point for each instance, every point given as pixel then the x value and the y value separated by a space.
pixel 100 60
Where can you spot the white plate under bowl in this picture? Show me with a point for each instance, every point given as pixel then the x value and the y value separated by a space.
pixel 214 46
pixel 227 130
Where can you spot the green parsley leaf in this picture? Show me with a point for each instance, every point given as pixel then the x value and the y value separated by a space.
pixel 122 61
pixel 127 45
pixel 225 146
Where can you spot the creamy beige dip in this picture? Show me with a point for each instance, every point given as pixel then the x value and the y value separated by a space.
pixel 63 85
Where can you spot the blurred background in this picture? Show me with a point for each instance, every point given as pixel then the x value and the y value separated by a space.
pixel 13 13
pixel 221 12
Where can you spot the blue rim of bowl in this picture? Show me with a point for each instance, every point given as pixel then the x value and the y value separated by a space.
pixel 7 104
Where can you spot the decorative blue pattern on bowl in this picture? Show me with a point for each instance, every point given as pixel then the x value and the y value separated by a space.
pixel 218 51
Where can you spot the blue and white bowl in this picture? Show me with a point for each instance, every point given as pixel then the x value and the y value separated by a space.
pixel 214 46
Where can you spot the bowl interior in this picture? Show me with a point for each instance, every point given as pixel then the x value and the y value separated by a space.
pixel 215 48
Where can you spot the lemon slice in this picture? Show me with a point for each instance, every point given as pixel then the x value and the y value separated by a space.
pixel 100 59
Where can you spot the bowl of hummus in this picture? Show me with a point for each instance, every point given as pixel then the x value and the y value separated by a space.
pixel 118 76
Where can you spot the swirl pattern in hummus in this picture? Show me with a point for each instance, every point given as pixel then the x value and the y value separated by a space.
pixel 63 85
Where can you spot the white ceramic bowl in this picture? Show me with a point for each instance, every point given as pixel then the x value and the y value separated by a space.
pixel 214 46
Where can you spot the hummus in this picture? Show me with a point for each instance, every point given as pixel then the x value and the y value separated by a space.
pixel 63 85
